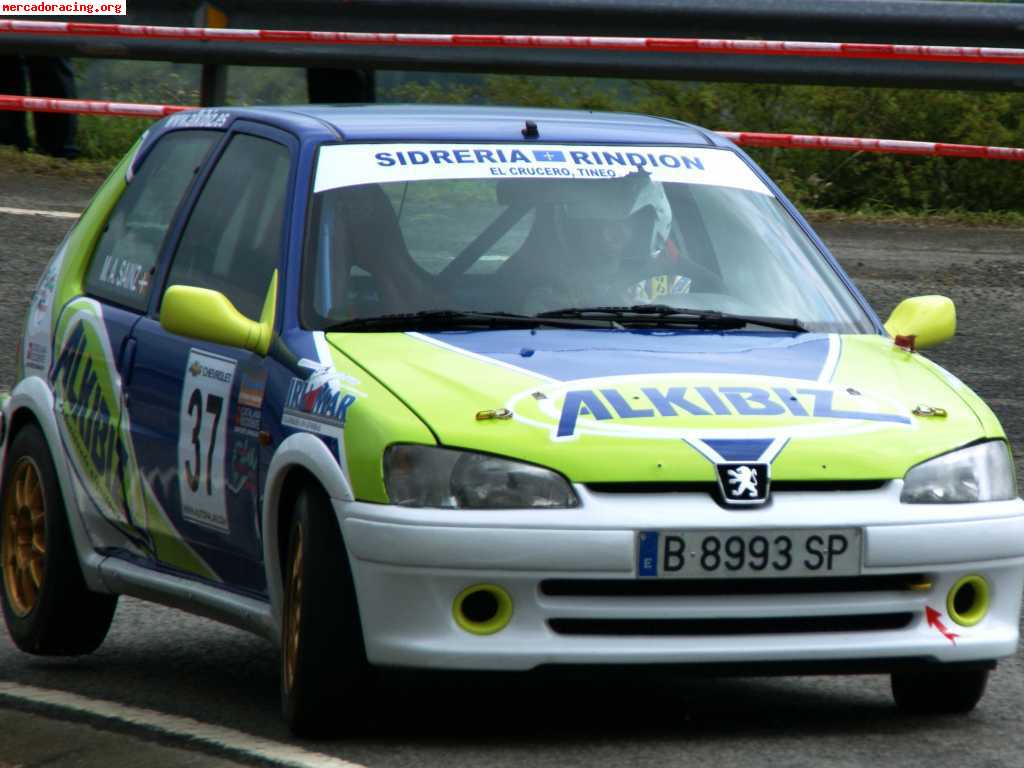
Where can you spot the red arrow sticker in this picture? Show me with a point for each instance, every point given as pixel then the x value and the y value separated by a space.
pixel 934 621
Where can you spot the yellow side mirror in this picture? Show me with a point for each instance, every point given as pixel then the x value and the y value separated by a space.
pixel 926 320
pixel 200 313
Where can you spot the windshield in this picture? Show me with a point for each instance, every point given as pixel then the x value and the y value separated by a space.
pixel 527 229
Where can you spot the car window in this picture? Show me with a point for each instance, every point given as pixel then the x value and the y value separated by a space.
pixel 232 241
pixel 438 219
pixel 407 228
pixel 387 236
pixel 125 258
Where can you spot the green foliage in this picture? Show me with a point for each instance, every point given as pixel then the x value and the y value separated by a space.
pixel 107 138
pixel 149 82
pixel 872 183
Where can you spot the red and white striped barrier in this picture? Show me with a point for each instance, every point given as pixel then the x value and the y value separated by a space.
pixel 886 146
pixel 932 53
pixel 85 107
pixel 743 138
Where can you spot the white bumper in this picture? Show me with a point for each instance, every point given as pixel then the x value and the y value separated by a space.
pixel 410 564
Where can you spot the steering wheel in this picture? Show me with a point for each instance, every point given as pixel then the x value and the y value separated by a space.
pixel 702 278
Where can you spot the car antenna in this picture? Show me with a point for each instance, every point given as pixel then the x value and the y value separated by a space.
pixel 530 130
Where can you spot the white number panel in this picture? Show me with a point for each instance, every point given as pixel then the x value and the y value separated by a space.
pixel 205 405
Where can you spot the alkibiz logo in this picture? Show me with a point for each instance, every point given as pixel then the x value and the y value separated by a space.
pixel 672 406
pixel 88 406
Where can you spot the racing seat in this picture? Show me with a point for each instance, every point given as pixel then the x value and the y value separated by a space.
pixel 539 260
pixel 376 245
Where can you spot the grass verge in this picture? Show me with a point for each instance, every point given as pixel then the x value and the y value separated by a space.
pixel 948 218
pixel 16 163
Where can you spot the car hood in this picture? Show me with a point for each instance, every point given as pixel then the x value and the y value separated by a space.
pixel 665 406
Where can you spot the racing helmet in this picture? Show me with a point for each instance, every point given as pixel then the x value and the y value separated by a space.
pixel 629 216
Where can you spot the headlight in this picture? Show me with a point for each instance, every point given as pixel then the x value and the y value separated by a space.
pixel 980 472
pixel 427 476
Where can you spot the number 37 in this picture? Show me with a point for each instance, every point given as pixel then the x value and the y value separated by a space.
pixel 193 469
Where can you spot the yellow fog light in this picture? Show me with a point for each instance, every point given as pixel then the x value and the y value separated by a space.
pixel 482 609
pixel 968 600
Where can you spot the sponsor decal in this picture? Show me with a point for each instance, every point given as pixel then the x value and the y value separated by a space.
pixel 248 420
pixel 125 275
pixel 95 432
pixel 202 436
pixel 543 162
pixel 349 165
pixel 242 467
pixel 318 404
pixel 249 412
pixel 35 358
pixel 208 366
pixel 251 389
pixel 705 407
pixel 42 297
pixel 87 397
pixel 199 118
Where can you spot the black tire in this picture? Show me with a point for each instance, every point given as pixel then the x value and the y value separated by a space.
pixel 53 613
pixel 939 690
pixel 323 659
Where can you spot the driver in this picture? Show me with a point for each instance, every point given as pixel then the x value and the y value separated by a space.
pixel 615 241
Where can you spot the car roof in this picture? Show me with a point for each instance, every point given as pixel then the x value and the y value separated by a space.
pixel 420 122
pixel 471 123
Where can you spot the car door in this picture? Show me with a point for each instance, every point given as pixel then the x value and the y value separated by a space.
pixel 92 347
pixel 196 407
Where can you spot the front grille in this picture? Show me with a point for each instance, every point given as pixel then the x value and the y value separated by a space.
pixel 778 486
pixel 757 626
pixel 716 587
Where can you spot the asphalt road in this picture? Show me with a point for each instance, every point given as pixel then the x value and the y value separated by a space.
pixel 166 661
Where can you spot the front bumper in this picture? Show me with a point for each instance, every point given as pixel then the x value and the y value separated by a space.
pixel 410 564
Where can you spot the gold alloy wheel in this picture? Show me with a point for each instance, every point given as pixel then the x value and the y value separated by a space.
pixel 293 614
pixel 24 537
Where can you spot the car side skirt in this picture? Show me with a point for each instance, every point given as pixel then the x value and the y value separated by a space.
pixel 199 598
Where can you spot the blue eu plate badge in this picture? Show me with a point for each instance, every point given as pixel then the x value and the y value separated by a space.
pixel 647 554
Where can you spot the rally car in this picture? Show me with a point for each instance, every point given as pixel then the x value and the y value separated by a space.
pixel 495 389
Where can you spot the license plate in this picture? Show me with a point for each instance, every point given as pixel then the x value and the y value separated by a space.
pixel 748 554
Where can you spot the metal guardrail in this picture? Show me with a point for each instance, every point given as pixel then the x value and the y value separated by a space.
pixel 893 21
pixel 620 43
pixel 700 67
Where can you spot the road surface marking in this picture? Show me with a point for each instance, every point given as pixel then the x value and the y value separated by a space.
pixel 30 212
pixel 217 736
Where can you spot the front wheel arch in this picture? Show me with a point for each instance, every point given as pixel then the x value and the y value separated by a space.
pixel 324 671
pixel 21 418
pixel 61 616
pixel 297 479
pixel 301 457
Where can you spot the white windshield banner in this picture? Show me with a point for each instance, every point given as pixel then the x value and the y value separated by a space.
pixel 347 165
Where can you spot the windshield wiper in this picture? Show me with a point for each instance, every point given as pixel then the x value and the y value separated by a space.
pixel 654 315
pixel 453 318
